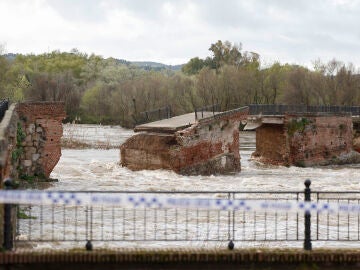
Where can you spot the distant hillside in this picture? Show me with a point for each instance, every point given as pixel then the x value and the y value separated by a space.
pixel 156 66
pixel 147 65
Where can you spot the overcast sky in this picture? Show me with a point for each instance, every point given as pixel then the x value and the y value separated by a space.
pixel 172 32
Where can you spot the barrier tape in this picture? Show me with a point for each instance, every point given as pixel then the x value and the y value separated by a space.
pixel 166 201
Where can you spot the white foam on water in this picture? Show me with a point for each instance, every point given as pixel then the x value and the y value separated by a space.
pixel 96 169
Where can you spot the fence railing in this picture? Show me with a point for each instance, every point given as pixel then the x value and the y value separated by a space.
pixel 254 109
pixel 229 219
pixel 273 109
pixel 154 115
pixel 207 111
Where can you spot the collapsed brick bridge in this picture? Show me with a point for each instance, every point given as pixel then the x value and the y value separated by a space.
pixel 305 135
pixel 285 135
pixel 187 145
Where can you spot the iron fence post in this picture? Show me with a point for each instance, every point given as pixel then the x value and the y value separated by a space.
pixel 307 194
pixel 8 228
pixel 88 218
pixel 230 236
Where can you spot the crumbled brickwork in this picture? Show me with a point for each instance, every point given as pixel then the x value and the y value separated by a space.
pixel 356 139
pixel 271 144
pixel 210 146
pixel 305 140
pixel 30 136
pixel 42 124
pixel 320 140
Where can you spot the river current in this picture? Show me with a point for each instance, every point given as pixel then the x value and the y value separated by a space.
pixel 98 169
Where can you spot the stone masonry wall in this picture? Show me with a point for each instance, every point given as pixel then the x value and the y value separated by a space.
pixel 42 127
pixel 305 140
pixel 318 140
pixel 270 144
pixel 29 144
pixel 356 132
pixel 210 146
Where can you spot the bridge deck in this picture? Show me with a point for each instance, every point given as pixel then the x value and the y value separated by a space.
pixel 171 125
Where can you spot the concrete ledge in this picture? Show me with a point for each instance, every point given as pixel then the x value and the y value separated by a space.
pixel 244 257
pixel 275 120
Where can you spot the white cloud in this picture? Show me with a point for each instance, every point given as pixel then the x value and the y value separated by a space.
pixel 175 31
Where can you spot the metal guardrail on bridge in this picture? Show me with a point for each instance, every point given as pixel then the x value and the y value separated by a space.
pixel 274 109
pixel 201 112
pixel 254 109
pixel 231 217
pixel 154 115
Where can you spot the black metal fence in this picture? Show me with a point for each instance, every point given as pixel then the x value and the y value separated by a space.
pixel 154 115
pixel 54 224
pixel 273 109
pixel 4 106
pixel 254 109
pixel 207 111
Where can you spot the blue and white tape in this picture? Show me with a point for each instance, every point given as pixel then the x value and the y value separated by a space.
pixel 129 200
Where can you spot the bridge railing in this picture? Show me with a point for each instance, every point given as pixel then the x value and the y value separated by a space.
pixel 274 109
pixel 154 115
pixel 207 218
pixel 203 112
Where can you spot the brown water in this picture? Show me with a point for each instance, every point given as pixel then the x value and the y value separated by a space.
pixel 96 169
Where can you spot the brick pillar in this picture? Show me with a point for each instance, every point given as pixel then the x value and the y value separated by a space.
pixel 42 124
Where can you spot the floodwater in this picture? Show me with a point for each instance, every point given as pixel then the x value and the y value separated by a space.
pixel 99 170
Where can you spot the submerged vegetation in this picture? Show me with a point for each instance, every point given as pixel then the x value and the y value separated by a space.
pixel 111 91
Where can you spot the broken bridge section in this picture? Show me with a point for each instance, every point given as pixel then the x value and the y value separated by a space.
pixel 41 124
pixel 187 146
pixel 30 135
pixel 305 139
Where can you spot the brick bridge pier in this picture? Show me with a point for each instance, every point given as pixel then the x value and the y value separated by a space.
pixel 305 135
pixel 285 135
pixel 207 143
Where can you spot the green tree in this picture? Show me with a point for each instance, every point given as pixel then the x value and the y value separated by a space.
pixel 4 66
pixel 193 66
pixel 226 53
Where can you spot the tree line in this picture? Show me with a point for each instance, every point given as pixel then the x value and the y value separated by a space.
pixel 110 91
